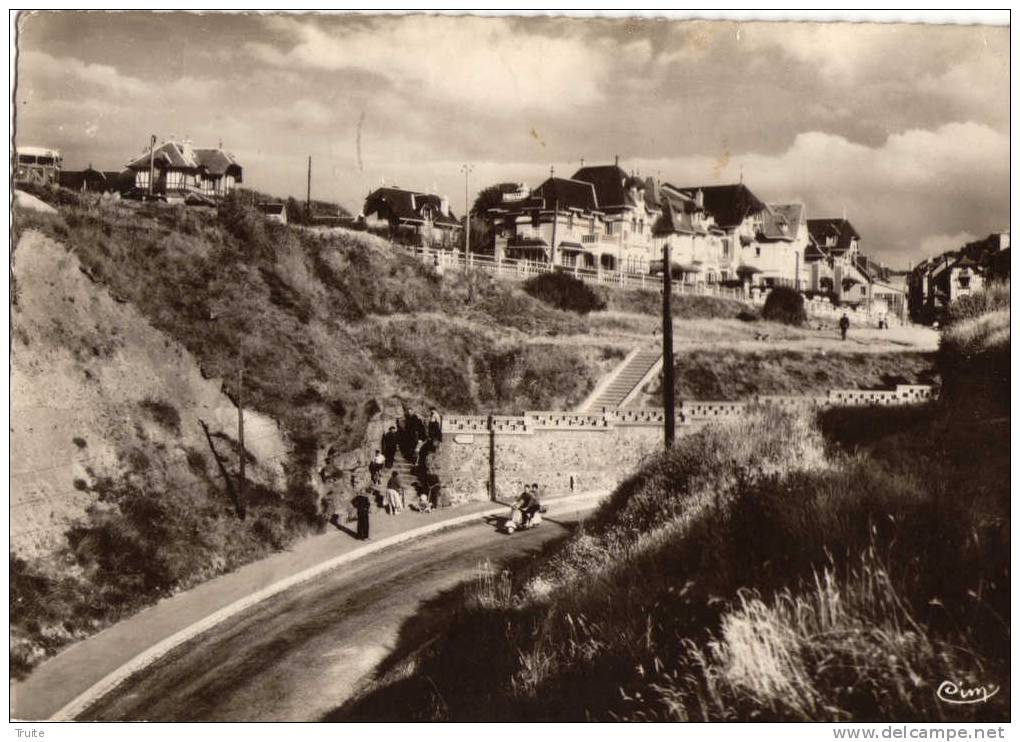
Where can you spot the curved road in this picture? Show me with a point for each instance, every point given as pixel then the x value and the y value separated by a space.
pixel 301 654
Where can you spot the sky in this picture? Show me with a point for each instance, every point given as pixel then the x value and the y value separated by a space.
pixel 903 127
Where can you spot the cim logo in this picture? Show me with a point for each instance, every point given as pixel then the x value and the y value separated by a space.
pixel 950 692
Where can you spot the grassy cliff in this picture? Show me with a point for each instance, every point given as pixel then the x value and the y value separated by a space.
pixel 776 568
pixel 128 339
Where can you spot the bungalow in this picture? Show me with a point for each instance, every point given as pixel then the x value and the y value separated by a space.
pixel 423 219
pixel 178 170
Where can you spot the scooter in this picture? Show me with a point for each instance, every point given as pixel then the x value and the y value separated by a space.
pixel 517 522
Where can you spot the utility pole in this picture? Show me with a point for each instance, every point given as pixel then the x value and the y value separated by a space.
pixel 466 169
pixel 152 161
pixel 308 193
pixel 240 433
pixel 668 392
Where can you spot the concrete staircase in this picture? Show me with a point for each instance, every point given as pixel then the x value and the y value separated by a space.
pixel 626 380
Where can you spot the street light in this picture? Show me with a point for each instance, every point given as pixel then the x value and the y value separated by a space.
pixel 466 169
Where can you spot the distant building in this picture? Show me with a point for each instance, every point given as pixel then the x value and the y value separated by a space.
pixel 274 212
pixel 935 283
pixel 739 216
pixel 179 169
pixel 835 247
pixel 91 180
pixel 601 218
pixel 412 216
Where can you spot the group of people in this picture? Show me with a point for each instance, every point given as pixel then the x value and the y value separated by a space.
pixel 416 441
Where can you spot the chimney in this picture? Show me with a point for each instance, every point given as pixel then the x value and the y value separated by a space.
pixel 699 198
pixel 444 206
pixel 616 160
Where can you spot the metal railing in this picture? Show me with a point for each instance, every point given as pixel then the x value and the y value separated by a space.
pixel 523 269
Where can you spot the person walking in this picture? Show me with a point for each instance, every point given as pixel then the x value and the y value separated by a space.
pixel 435 427
pixel 363 505
pixel 394 494
pixel 844 325
pixel 375 467
pixel 389 446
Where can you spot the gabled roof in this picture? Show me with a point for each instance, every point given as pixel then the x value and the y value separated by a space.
pixel 679 215
pixel 782 222
pixel 841 229
pixel 183 156
pixel 215 161
pixel 566 193
pixel 729 204
pixel 408 205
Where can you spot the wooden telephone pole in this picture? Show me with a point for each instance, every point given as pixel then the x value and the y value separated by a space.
pixel 308 193
pixel 152 162
pixel 668 392
pixel 466 169
pixel 240 435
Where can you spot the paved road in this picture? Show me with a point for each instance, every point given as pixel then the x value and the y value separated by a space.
pixel 299 655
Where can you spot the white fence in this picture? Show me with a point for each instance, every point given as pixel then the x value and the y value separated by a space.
pixel 524 269
pixel 688 412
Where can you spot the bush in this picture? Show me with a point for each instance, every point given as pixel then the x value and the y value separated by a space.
pixel 785 305
pixel 994 297
pixel 563 291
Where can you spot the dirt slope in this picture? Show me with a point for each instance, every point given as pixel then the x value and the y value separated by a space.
pixel 95 389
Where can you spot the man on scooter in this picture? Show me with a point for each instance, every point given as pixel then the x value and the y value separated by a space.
pixel 533 505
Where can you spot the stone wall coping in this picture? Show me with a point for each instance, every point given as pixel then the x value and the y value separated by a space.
pixel 687 411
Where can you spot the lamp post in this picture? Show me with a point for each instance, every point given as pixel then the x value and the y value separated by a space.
pixel 466 169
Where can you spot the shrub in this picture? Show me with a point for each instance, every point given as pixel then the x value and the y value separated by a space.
pixel 785 305
pixel 563 291
pixel 994 297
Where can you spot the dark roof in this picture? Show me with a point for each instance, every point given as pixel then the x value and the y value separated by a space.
pixel 678 216
pixel 782 221
pixel 611 184
pixel 814 251
pixel 407 205
pixel 567 193
pixel 215 161
pixel 842 229
pixel 183 156
pixel 729 204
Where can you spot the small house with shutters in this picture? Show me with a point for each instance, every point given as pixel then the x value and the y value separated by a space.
pixel 177 170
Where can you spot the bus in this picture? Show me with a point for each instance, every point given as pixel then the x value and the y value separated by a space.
pixel 37 165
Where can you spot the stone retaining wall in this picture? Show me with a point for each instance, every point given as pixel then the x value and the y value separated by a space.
pixel 570 451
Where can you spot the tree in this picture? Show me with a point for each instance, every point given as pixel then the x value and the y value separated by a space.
pixel 482 231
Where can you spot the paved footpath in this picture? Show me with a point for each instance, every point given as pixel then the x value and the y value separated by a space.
pixel 64 677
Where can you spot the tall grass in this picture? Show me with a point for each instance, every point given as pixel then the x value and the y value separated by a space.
pixel 759 571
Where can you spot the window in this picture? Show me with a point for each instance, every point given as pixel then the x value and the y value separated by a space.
pixel 26 159
pixel 757 252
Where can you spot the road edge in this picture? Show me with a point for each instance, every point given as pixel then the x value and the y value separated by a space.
pixel 108 683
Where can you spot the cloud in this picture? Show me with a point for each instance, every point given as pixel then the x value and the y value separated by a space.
pixel 480 61
pixel 936 244
pixel 75 79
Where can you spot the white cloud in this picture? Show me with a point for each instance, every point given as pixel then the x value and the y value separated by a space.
pixel 469 59
pixel 935 244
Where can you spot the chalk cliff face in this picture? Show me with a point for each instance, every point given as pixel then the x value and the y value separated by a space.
pixel 97 393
